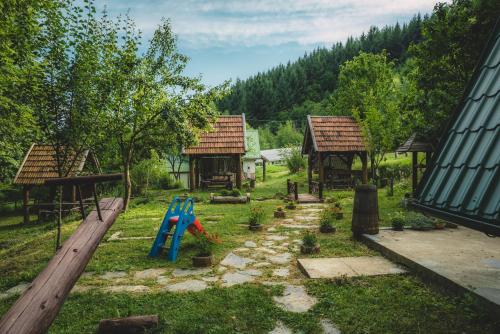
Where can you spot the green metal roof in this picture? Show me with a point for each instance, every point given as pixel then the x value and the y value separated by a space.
pixel 252 144
pixel 463 183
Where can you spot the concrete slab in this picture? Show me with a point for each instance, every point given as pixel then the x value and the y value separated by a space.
pixel 348 266
pixel 462 259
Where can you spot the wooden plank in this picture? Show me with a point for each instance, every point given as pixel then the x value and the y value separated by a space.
pixel 129 325
pixel 87 179
pixel 39 305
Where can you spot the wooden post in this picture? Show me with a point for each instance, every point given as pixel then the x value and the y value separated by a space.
pixel 321 168
pixel 263 170
pixel 320 190
pixel 238 171
pixel 191 174
pixel 414 173
pixel 364 163
pixel 26 204
pixel 296 193
pixel 428 157
pixel 196 172
pixel 39 305
pixel 309 170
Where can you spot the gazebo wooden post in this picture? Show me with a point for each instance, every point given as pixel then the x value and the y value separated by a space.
pixel 321 168
pixel 428 156
pixel 191 173
pixel 238 171
pixel 309 170
pixel 26 204
pixel 414 172
pixel 197 172
pixel 364 163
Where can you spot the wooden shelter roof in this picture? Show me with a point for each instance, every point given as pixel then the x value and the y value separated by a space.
pixel 40 164
pixel 333 134
pixel 414 144
pixel 227 137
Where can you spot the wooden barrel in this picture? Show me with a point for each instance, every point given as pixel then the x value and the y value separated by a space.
pixel 365 210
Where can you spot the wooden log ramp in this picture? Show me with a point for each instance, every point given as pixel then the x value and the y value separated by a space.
pixel 39 305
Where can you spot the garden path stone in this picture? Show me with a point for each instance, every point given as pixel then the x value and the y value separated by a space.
pixel 282 258
pixel 189 285
pixel 221 269
pixel 328 327
pixel 267 243
pixel 262 264
pixel 272 229
pixel 299 226
pixel 128 288
pixel 113 274
pixel 190 272
pixel 81 288
pixel 265 250
pixel 18 289
pixel 281 328
pixel 162 280
pixel 230 279
pixel 241 249
pixel 348 266
pixel 115 236
pixel 276 237
pixel 295 299
pixel 210 279
pixel 251 272
pixel 281 272
pixel 149 273
pixel 235 261
pixel 288 220
pixel 250 244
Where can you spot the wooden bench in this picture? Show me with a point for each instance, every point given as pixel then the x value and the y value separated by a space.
pixel 217 181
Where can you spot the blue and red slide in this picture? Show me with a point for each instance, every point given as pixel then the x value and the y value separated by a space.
pixel 181 216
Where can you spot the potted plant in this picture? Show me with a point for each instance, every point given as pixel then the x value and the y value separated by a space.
pixel 309 244
pixel 279 213
pixel 325 223
pixel 439 224
pixel 204 251
pixel 398 221
pixel 420 222
pixel 337 210
pixel 291 205
pixel 257 216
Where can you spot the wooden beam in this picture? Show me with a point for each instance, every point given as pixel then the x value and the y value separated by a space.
pixel 238 171
pixel 129 325
pixel 191 173
pixel 87 179
pixel 263 170
pixel 196 172
pixel 26 204
pixel 39 305
pixel 414 173
pixel 321 168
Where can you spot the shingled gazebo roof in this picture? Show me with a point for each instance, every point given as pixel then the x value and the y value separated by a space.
pixel 40 164
pixel 415 144
pixel 227 137
pixel 333 134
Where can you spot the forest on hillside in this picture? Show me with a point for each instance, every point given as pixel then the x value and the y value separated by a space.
pixel 430 59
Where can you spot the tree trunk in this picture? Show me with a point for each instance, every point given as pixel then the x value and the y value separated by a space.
pixel 127 184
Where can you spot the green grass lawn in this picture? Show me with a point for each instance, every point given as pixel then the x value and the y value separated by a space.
pixel 384 304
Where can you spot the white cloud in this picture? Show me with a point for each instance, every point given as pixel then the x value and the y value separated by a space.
pixel 202 24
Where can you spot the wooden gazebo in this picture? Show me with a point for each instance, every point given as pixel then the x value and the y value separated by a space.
pixel 415 144
pixel 40 164
pixel 331 144
pixel 217 159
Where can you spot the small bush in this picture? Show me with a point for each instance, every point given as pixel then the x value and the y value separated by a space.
pixel 257 215
pixel 418 221
pixel 326 220
pixel 204 245
pixel 309 239
pixel 398 221
pixel 294 159
pixel 235 193
pixel 225 192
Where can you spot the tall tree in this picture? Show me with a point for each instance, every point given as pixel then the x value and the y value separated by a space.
pixel 152 99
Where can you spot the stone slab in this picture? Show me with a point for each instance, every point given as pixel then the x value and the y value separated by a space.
pixel 189 285
pixel 461 258
pixel 295 299
pixel 235 261
pixel 190 272
pixel 348 266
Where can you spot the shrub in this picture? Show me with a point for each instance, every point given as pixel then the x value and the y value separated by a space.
pixel 235 193
pixel 309 239
pixel 418 221
pixel 204 245
pixel 225 192
pixel 294 159
pixel 257 215
pixel 398 221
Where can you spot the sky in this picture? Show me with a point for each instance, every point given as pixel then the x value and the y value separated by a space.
pixel 239 38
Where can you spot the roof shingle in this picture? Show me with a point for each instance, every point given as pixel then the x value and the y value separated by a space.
pixel 227 137
pixel 336 134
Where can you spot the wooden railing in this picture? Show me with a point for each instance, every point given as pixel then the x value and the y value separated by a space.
pixel 316 188
pixel 292 188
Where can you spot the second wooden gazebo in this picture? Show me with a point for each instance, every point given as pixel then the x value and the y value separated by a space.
pixel 331 144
